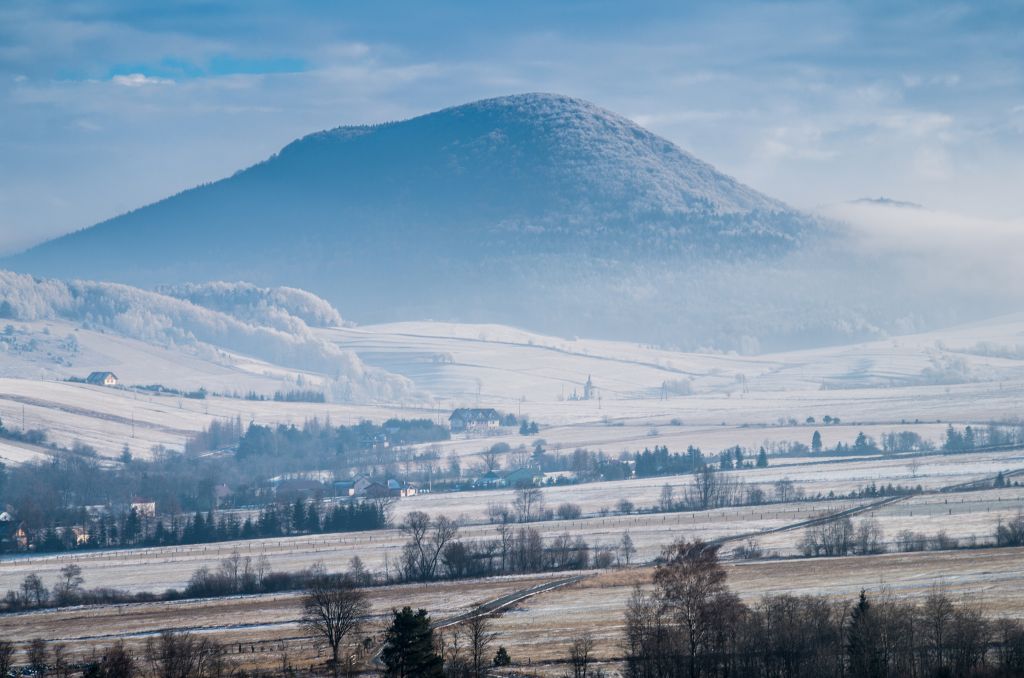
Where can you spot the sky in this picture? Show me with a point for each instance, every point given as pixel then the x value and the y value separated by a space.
pixel 108 105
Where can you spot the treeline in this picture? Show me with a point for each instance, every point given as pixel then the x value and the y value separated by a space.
pixel 660 462
pixel 275 520
pixel 169 655
pixel 234 575
pixel 691 625
pixel 300 396
pixel 840 536
pixel 315 439
pixel 971 438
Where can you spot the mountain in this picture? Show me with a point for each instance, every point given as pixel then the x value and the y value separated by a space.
pixel 474 212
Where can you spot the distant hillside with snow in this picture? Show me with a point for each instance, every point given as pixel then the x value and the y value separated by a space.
pixel 213 323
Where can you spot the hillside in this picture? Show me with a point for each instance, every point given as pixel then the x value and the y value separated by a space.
pixel 533 210
pixel 233 337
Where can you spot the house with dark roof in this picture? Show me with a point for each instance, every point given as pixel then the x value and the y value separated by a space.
pixel 102 379
pixel 474 420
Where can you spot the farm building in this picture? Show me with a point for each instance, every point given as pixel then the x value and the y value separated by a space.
pixel 102 379
pixel 469 420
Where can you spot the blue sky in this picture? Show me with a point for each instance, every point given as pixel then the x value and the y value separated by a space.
pixel 106 105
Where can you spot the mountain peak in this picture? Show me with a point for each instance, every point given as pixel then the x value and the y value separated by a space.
pixel 561 134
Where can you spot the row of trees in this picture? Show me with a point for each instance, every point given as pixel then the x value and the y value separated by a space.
pixel 692 626
pixel 434 550
pixel 235 574
pixel 839 536
pixel 170 655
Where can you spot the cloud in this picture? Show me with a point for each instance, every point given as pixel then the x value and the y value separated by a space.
pixel 950 249
pixel 139 80
pixel 798 141
pixel 86 125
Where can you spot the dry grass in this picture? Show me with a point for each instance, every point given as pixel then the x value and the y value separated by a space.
pixel 262 630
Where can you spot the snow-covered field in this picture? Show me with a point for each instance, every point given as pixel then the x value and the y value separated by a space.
pixel 646 396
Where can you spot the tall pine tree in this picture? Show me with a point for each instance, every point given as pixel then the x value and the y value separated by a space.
pixel 409 647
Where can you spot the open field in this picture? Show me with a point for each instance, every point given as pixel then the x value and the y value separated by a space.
pixel 541 630
pixel 259 630
pixel 267 626
pixel 840 476
pixel 964 516
pixel 157 569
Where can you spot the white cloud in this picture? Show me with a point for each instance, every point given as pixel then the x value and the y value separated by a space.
pixel 960 249
pixel 799 141
pixel 139 80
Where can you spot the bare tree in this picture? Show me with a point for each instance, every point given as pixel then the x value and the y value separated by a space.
pixel 118 662
pixel 479 637
pixel 180 655
pixel 785 490
pixel 691 587
pixel 333 609
pixel 6 657
pixel 529 503
pixel 37 656
pixel 580 655
pixel 831 537
pixel 869 537
pixel 711 489
pixel 498 513
pixel 67 589
pixel 427 539
pixel 61 668
pixel 490 457
pixel 33 591
pixel 506 535
pixel 626 548
pixel 666 502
